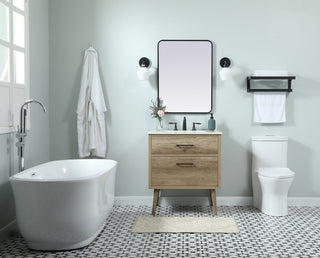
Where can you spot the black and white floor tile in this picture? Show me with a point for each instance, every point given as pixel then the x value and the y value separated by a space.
pixel 296 235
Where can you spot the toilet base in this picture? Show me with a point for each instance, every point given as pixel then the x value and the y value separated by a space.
pixel 274 205
pixel 274 201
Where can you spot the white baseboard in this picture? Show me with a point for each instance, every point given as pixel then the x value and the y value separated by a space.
pixel 133 200
pixel 204 201
pixel 183 200
pixel 304 201
pixel 6 230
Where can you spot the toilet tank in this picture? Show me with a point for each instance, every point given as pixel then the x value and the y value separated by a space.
pixel 269 151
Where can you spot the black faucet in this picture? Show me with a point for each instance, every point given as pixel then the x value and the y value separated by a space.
pixel 194 126
pixel 184 124
pixel 175 125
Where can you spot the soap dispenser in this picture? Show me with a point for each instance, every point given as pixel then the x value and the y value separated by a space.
pixel 211 123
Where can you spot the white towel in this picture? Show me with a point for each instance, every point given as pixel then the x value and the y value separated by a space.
pixel 90 110
pixel 270 73
pixel 269 107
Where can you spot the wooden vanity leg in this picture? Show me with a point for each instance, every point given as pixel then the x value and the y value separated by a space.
pixel 155 200
pixel 210 197
pixel 214 200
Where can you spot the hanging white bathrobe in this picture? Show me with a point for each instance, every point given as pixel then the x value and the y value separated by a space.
pixel 90 110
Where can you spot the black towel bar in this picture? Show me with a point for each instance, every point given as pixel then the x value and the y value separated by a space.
pixel 288 78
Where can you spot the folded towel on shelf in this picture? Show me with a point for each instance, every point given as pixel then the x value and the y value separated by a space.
pixel 269 107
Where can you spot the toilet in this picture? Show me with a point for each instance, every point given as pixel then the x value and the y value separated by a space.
pixel 271 179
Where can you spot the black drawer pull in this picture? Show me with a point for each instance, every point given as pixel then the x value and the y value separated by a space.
pixel 185 145
pixel 185 164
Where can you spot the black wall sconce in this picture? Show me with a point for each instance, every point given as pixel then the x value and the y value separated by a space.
pixel 225 68
pixel 144 62
pixel 225 62
pixel 143 71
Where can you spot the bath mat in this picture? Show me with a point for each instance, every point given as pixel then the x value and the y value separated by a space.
pixel 185 225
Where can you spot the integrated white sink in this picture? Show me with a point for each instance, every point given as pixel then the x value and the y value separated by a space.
pixel 185 132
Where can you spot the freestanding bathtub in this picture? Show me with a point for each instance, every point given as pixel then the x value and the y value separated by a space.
pixel 64 204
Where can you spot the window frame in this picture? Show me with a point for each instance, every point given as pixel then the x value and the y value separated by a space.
pixel 11 125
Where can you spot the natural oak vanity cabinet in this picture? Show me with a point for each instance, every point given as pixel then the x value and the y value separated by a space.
pixel 184 160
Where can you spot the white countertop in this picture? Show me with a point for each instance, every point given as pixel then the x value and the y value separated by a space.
pixel 185 132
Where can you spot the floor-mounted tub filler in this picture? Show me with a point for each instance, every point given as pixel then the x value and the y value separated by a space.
pixel 64 204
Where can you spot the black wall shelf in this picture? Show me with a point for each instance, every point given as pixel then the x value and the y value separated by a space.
pixel 289 78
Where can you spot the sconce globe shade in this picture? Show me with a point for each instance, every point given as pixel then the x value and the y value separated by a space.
pixel 143 73
pixel 225 73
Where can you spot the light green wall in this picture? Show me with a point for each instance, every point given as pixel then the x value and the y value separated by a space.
pixel 71 29
pixel 271 35
pixel 37 142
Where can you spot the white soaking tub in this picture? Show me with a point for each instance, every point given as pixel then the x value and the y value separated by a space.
pixel 64 204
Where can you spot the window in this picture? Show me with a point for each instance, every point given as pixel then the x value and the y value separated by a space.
pixel 14 63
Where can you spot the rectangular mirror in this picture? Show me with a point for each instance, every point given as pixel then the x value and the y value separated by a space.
pixel 185 75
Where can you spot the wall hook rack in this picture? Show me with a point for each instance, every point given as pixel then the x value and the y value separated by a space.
pixel 289 78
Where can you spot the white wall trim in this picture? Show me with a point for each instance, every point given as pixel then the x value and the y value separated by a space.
pixel 6 230
pixel 183 200
pixel 204 201
pixel 304 201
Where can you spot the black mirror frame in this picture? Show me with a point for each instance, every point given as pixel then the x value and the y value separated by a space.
pixel 211 77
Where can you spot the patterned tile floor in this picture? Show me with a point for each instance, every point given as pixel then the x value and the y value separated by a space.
pixel 296 235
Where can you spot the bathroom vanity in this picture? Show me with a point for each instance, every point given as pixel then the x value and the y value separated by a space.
pixel 184 160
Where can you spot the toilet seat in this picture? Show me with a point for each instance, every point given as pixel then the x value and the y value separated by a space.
pixel 279 173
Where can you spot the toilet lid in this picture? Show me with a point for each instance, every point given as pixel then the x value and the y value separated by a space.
pixel 276 172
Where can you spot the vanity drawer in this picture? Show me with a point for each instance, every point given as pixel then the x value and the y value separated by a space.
pixel 184 144
pixel 184 172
